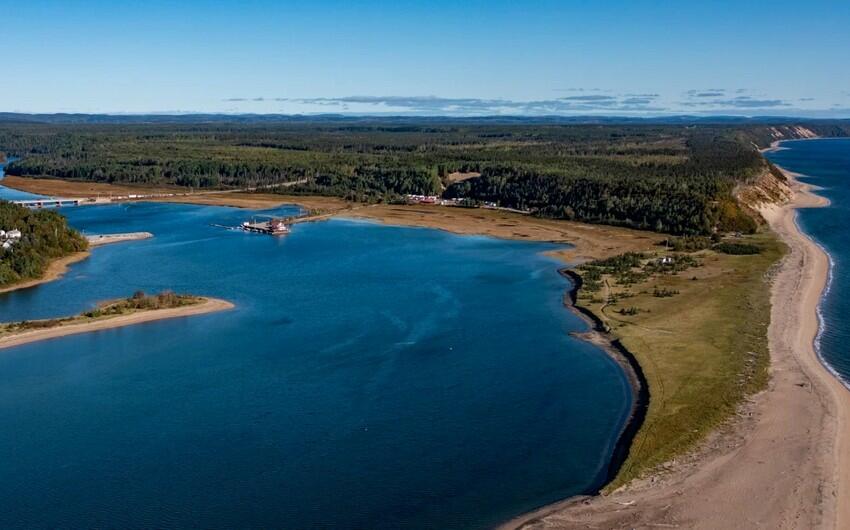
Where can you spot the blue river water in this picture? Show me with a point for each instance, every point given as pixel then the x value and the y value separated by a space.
pixel 826 163
pixel 369 377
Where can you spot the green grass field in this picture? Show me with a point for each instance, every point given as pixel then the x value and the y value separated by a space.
pixel 700 336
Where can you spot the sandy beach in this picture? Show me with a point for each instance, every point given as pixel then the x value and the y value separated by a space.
pixel 209 305
pixel 785 462
pixel 108 239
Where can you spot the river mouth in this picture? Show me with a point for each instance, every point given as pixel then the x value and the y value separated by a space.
pixel 370 376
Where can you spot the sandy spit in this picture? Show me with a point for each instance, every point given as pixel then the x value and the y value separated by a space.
pixel 98 240
pixel 209 305
pixel 785 463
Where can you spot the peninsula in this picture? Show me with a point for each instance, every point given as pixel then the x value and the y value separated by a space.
pixel 799 419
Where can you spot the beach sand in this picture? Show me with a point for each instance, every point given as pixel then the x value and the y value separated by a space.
pixel 209 305
pixel 785 462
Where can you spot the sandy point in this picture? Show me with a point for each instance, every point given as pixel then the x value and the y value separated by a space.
pixel 208 305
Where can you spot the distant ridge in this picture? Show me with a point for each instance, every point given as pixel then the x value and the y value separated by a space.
pixel 66 118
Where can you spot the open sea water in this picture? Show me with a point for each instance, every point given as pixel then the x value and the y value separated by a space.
pixel 826 163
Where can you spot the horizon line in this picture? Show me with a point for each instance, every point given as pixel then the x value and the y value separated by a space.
pixel 590 116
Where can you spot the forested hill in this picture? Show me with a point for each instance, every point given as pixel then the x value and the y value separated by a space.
pixel 44 237
pixel 667 177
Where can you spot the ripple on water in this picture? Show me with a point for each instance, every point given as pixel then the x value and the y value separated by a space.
pixel 369 376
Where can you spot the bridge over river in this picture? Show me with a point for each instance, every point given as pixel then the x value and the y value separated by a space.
pixel 53 202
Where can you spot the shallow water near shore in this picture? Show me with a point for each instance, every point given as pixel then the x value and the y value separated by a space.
pixel 369 377
pixel 826 163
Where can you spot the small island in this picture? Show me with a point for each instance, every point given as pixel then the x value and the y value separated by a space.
pixel 136 309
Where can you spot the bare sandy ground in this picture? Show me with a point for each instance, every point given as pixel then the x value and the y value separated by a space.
pixel 785 463
pixel 209 305
pixel 107 239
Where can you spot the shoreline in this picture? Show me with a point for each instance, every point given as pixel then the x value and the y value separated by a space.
pixel 595 335
pixel 785 461
pixel 806 135
pixel 815 283
pixel 793 420
pixel 250 200
pixel 99 240
pixel 59 267
pixel 599 336
pixel 55 270
pixel 209 305
pixel 602 339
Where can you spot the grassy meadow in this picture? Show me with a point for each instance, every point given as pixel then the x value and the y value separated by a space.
pixel 699 334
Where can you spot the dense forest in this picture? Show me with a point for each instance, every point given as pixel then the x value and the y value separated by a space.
pixel 44 237
pixel 667 177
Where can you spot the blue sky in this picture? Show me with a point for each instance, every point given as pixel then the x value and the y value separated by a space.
pixel 467 58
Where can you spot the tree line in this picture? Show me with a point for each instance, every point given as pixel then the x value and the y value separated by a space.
pixel 45 236
pixel 673 178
